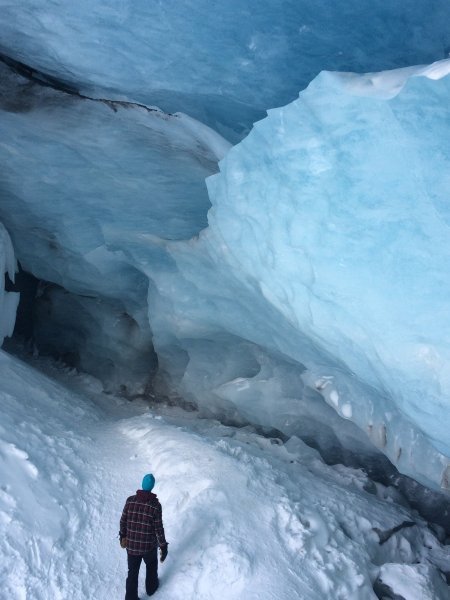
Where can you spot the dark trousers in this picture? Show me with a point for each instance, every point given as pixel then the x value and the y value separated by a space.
pixel 151 575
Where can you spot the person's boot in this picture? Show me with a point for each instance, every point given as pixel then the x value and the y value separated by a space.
pixel 153 590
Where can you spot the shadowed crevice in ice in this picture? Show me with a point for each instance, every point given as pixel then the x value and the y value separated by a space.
pixel 386 535
pixel 46 80
pixel 8 299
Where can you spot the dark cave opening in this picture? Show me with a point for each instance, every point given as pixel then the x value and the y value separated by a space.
pixel 91 334
pixel 27 285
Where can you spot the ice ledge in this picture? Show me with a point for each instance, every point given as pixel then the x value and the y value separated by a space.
pixel 385 426
pixel 385 84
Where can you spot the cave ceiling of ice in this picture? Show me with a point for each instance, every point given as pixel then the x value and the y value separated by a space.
pixel 305 286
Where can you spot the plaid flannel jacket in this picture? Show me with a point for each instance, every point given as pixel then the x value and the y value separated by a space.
pixel 141 523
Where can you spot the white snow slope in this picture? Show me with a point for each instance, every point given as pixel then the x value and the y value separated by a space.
pixel 245 516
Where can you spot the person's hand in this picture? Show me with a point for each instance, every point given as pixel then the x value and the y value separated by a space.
pixel 163 552
pixel 123 542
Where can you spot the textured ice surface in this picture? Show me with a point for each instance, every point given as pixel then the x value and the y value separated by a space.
pixel 84 180
pixel 328 244
pixel 8 300
pixel 317 297
pixel 223 63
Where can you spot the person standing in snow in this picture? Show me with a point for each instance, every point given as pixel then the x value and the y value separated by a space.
pixel 141 533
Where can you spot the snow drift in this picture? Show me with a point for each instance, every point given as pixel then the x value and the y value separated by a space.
pixel 245 516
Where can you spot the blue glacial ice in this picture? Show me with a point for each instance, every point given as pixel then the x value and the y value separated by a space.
pixel 84 179
pixel 308 292
pixel 226 63
pixel 328 246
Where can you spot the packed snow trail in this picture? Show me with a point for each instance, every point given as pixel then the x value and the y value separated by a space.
pixel 245 516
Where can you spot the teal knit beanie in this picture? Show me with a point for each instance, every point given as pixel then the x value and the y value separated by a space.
pixel 148 482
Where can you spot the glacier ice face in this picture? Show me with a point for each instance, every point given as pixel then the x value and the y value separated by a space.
pixel 85 180
pixel 8 300
pixel 315 298
pixel 224 64
pixel 327 245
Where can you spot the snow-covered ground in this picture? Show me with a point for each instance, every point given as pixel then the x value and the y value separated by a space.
pixel 246 516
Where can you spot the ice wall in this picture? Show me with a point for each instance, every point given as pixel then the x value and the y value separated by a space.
pixel 83 180
pixel 223 62
pixel 8 300
pixel 328 246
pixel 315 301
